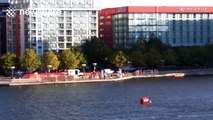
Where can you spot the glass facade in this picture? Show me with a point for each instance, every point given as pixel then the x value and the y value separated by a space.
pixel 176 29
pixel 174 25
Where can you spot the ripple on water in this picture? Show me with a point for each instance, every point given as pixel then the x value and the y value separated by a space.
pixel 172 99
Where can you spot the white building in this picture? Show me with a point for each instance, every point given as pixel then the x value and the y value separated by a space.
pixel 50 24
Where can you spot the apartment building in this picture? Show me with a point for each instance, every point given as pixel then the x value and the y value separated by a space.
pixel 45 25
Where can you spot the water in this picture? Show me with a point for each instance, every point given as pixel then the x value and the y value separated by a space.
pixel 188 98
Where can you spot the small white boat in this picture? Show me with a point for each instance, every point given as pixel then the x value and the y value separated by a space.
pixel 179 75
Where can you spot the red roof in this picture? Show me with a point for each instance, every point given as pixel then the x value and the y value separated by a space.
pixel 159 9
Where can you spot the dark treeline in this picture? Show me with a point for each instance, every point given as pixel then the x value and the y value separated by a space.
pixel 146 54
pixel 150 54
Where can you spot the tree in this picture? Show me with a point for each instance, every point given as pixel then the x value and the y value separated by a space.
pixel 96 51
pixel 137 58
pixel 119 59
pixel 68 59
pixel 200 55
pixel 152 57
pixel 169 56
pixel 80 57
pixel 157 44
pixel 8 60
pixel 29 60
pixel 184 56
pixel 209 48
pixel 50 58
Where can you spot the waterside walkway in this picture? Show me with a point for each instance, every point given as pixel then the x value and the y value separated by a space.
pixel 16 82
pixel 6 81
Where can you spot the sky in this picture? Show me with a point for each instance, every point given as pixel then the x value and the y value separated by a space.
pixel 117 3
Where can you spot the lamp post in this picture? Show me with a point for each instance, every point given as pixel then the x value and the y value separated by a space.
pixel 12 68
pixel 94 65
pixel 84 65
pixel 162 62
pixel 49 67
pixel 129 62
pixel 106 61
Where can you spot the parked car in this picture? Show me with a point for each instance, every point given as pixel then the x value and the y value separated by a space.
pixel 74 72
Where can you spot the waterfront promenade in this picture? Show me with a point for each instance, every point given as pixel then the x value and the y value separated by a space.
pixel 6 81
pixel 15 82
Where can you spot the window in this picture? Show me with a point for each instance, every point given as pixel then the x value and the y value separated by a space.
pixel 33 32
pixel 39 32
pixel 69 12
pixel 61 45
pixel 108 17
pixel 69 45
pixel 33 19
pixel 33 39
pixel 69 39
pixel 174 40
pixel 194 40
pixel 61 39
pixel 61 32
pixel 60 19
pixel 69 19
pixel 194 15
pixel 33 26
pixel 69 32
pixel 187 16
pixel 173 15
pixel 61 26
pixel 93 12
pixel 69 25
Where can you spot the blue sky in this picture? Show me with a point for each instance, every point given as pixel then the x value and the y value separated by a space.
pixel 116 3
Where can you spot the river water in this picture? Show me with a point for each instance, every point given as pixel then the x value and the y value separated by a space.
pixel 189 98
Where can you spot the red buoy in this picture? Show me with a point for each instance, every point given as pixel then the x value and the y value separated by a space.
pixel 145 100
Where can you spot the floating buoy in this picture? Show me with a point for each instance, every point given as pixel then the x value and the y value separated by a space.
pixel 145 100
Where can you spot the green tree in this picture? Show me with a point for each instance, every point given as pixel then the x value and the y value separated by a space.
pixel 8 60
pixel 119 59
pixel 68 59
pixel 137 53
pixel 80 57
pixel 152 57
pixel 184 56
pixel 209 49
pixel 200 55
pixel 29 60
pixel 157 44
pixel 169 56
pixel 49 58
pixel 137 58
pixel 96 50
